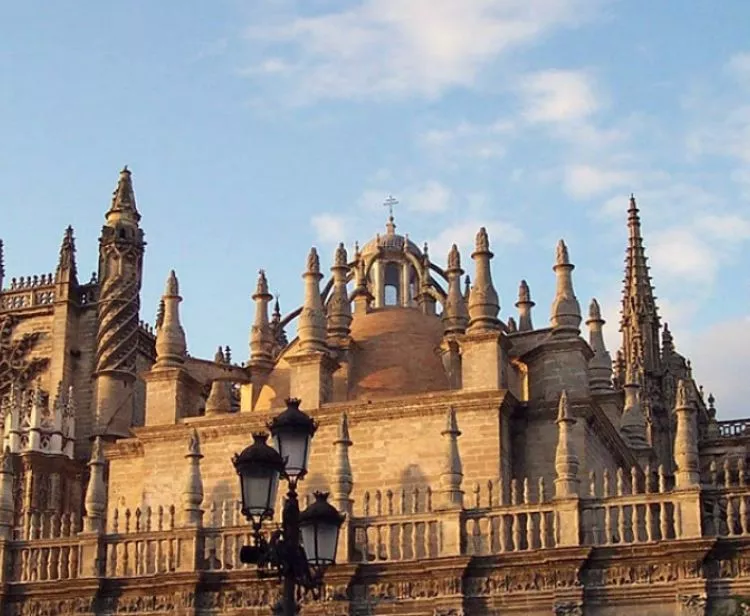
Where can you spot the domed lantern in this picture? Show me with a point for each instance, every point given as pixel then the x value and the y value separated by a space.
pixel 259 467
pixel 292 431
pixel 319 527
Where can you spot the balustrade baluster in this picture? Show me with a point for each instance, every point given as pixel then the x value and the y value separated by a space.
pixel 649 522
pixel 743 514
pixel 663 521
pixel 621 524
pixel 543 530
pixel 716 516
pixel 414 541
pixel 530 530
pixel 516 532
pixel 607 525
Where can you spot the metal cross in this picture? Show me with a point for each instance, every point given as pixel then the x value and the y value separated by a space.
pixel 389 203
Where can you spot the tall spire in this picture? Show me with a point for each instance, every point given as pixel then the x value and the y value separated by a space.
pixel 66 264
pixel 600 365
pixel 524 305
pixel 171 348
pixel 484 304
pixel 123 200
pixel 339 307
pixel 640 319
pixel 633 426
pixel 261 339
pixel 566 311
pixel 312 321
pixel 455 315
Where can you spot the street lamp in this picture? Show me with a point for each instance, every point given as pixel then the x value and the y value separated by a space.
pixel 305 546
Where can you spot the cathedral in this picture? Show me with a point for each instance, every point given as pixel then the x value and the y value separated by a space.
pixel 487 462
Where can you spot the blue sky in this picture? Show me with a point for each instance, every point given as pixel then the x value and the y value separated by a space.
pixel 257 129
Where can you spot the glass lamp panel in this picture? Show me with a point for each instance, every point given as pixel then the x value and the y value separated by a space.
pixel 307 533
pixel 294 447
pixel 259 492
pixel 328 535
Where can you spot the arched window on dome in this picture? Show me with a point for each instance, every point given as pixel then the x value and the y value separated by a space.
pixel 392 284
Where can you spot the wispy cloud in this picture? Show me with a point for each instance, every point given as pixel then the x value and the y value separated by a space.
pixel 329 228
pixel 502 235
pixel 558 96
pixel 395 49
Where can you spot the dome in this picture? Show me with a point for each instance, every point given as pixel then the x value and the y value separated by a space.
pixel 396 353
pixel 391 242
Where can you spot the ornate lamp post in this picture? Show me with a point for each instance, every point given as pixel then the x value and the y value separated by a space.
pixel 305 545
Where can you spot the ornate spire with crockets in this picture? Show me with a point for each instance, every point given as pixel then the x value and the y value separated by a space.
pixel 66 264
pixel 640 319
pixel 123 199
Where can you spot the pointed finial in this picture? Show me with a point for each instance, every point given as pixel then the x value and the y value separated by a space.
pixel 261 287
pixel 562 254
pixel 219 356
pixel 524 294
pixel 512 327
pixel 467 286
pixel 194 445
pixel 482 241
pixel 563 407
pixel 66 264
pixel 172 287
pixel 340 257
pixel 454 258
pixel 343 430
pixel 123 199
pixel 595 312
pixel 451 423
pixel 313 261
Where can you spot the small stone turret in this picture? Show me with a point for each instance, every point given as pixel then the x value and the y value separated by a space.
pixel 566 460
pixel 343 482
pixel 96 491
pixel 686 439
pixel 67 272
pixel 312 320
pixel 484 304
pixel 192 494
pixel 566 311
pixel 339 306
pixel 121 248
pixel 261 339
pixel 219 399
pixel 633 426
pixel 452 474
pixel 524 306
pixel 455 315
pixel 600 365
pixel 361 296
pixel 171 347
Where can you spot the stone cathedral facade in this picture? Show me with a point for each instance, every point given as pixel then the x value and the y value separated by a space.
pixel 488 462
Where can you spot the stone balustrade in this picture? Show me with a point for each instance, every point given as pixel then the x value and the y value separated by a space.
pixel 393 525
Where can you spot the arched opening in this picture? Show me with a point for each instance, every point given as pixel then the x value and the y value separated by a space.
pixel 392 284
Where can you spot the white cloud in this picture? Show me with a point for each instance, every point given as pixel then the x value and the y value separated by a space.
pixel 399 48
pixel 329 228
pixel 463 234
pixel 681 253
pixel 431 197
pixel 558 96
pixel 720 356
pixel 583 181
pixel 468 140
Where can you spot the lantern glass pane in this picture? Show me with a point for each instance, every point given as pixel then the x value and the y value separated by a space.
pixel 320 541
pixel 294 447
pixel 259 491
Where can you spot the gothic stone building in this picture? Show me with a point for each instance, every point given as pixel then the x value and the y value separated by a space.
pixel 487 465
